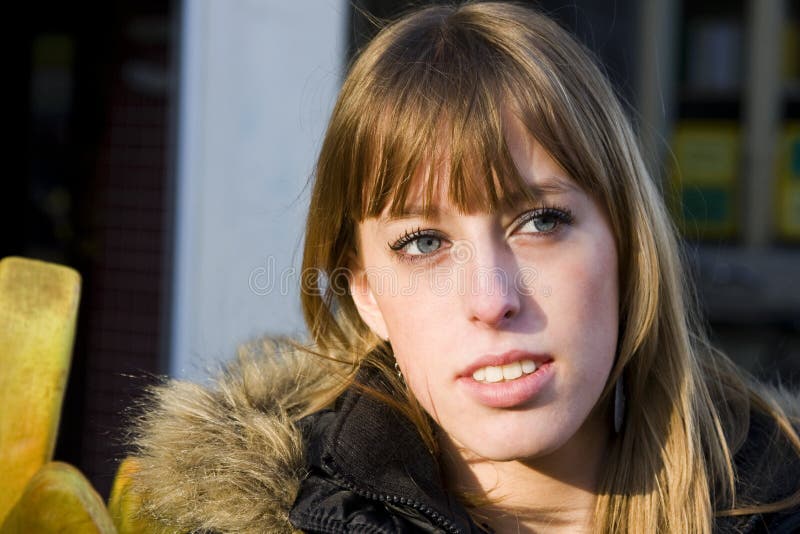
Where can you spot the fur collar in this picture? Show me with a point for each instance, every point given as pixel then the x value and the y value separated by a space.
pixel 228 457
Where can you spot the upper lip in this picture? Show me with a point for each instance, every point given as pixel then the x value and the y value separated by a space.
pixel 504 358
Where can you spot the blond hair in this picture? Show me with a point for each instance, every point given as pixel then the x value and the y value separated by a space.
pixel 436 85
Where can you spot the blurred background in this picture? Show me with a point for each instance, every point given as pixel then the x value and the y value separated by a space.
pixel 163 150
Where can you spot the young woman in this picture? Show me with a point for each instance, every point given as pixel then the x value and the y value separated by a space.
pixel 502 335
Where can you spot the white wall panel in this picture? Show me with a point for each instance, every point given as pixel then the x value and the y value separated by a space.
pixel 258 81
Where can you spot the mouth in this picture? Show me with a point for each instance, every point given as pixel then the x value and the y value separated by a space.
pixel 507 380
pixel 504 367
pixel 492 374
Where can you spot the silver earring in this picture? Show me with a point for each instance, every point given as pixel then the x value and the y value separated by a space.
pixel 619 405
pixel 399 372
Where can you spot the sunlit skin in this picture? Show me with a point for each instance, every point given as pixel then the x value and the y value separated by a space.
pixel 546 450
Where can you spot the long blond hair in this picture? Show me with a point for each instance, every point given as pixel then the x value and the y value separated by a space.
pixel 436 84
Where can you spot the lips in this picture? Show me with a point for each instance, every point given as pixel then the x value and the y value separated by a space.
pixel 506 380
pixel 522 358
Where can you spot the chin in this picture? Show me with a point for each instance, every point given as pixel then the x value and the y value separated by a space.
pixel 508 450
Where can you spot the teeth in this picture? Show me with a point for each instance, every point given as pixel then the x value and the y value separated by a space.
pixel 491 374
pixel 494 374
pixel 512 371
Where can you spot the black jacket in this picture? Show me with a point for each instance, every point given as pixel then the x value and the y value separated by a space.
pixel 369 472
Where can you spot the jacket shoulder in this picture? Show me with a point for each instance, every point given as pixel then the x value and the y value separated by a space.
pixel 229 456
pixel 767 469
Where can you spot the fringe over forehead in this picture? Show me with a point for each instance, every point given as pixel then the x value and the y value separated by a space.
pixel 424 107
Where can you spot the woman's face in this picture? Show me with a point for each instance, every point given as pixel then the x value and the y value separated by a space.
pixel 504 325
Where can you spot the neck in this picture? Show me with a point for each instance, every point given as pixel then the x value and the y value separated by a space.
pixel 554 492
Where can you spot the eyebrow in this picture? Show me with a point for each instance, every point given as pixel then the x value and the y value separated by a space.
pixel 552 185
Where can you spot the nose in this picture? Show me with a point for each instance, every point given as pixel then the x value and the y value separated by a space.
pixel 492 298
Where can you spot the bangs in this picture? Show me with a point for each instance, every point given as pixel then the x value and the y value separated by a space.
pixel 439 131
pixel 457 154
pixel 427 111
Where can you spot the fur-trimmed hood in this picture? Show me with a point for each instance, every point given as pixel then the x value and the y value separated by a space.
pixel 228 457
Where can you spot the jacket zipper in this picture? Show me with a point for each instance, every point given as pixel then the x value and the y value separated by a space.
pixel 435 517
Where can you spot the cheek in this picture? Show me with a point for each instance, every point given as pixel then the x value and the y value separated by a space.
pixel 595 288
pixel 419 334
pixel 584 303
pixel 415 326
pixel 414 301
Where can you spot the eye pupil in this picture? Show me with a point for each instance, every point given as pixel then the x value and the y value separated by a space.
pixel 544 223
pixel 428 244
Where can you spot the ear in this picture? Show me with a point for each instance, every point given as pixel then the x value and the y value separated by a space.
pixel 365 302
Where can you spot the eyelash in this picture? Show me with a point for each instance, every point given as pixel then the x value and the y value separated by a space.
pixel 562 214
pixel 408 237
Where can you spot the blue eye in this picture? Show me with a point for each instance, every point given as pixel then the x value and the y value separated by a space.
pixel 418 243
pixel 543 220
pixel 423 245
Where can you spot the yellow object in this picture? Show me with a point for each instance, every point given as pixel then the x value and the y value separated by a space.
pixel 58 499
pixel 38 309
pixel 788 190
pixel 707 158
pixel 124 503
